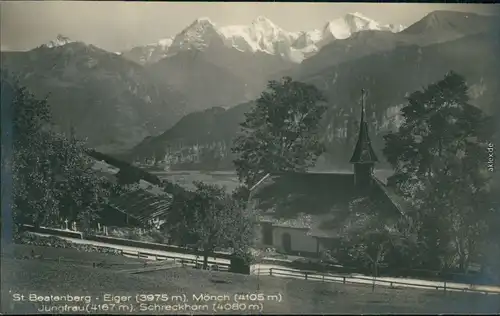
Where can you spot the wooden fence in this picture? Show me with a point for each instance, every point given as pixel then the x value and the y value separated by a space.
pixel 152 246
pixel 350 279
pixel 213 265
pixel 307 275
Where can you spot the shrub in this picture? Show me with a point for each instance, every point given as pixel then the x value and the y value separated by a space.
pixel 56 242
pixel 158 237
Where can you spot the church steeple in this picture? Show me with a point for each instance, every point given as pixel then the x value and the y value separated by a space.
pixel 363 157
pixel 72 133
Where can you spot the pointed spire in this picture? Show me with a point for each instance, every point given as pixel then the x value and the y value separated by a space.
pixel 72 133
pixel 363 152
pixel 363 94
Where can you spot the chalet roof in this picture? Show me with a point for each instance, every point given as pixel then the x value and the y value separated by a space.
pixel 142 205
pixel 146 201
pixel 126 168
pixel 320 202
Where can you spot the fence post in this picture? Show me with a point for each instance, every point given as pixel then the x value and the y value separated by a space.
pixel 444 286
pixel 271 272
pixel 343 280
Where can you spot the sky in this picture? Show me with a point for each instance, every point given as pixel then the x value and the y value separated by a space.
pixel 118 26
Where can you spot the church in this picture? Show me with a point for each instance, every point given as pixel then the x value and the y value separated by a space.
pixel 302 213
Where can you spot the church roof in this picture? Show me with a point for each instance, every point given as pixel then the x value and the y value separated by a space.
pixel 363 152
pixel 321 202
pixel 295 192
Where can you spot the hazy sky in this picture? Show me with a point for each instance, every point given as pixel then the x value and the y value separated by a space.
pixel 120 25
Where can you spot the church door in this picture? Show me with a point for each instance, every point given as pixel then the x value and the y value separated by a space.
pixel 267 234
pixel 286 240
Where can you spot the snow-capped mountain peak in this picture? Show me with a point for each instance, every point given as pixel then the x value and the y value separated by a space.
pixel 262 26
pixel 262 21
pixel 203 20
pixel 344 27
pixel 60 40
pixel 200 24
pixel 165 43
pixel 197 35
pixel 262 35
pixel 357 15
pixel 358 22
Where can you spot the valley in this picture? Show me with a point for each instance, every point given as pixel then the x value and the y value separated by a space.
pixel 227 179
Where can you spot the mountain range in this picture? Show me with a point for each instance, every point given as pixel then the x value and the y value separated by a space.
pixel 262 35
pixel 388 74
pixel 118 99
pixel 436 27
pixel 224 66
pixel 110 101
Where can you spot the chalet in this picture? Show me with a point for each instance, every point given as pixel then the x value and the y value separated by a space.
pixel 143 206
pixel 303 213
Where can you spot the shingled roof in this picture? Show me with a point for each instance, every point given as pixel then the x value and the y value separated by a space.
pixel 127 171
pixel 320 202
pixel 143 203
pixel 363 152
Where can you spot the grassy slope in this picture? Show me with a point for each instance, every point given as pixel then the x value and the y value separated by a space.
pixel 299 296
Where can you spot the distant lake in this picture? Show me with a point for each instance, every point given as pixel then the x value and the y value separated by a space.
pixel 228 179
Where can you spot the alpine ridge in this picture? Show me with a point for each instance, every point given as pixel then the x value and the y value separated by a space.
pixel 383 73
pixel 60 40
pixel 108 100
pixel 261 35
